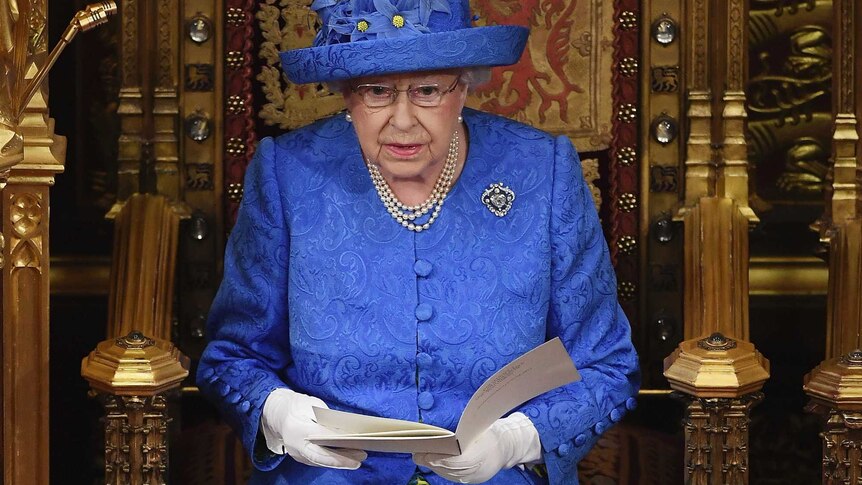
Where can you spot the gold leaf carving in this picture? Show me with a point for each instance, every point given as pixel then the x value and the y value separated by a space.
pixel 590 167
pixel 790 125
pixel 38 39
pixel 166 54
pixel 26 214
pixel 284 27
pixel 26 255
pixel 130 42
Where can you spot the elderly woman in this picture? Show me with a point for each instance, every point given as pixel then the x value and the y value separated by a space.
pixel 388 259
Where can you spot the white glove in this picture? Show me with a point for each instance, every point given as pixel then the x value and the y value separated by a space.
pixel 288 420
pixel 508 442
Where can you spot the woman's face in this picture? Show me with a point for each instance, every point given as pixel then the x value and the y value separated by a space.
pixel 407 141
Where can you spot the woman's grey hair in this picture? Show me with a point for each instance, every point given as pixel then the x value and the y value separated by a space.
pixel 472 77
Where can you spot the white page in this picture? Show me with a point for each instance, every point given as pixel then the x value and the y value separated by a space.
pixel 350 423
pixel 444 445
pixel 374 433
pixel 546 367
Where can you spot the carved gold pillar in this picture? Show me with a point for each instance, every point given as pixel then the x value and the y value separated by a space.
pixel 699 169
pixel 720 379
pixel 25 252
pixel 719 376
pixel 132 376
pixel 25 316
pixel 844 209
pixel 149 99
pixel 835 386
pixel 732 177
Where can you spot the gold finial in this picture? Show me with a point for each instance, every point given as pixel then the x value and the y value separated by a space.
pixel 135 340
pixel 854 358
pixel 716 341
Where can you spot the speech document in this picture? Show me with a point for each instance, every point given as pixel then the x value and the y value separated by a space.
pixel 546 367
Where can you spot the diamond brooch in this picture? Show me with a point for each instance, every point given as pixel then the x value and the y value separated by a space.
pixel 498 199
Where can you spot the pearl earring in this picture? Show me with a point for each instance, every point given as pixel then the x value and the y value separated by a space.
pixel 348 118
pixel 460 119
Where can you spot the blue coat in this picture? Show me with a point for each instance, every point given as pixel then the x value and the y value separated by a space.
pixel 326 294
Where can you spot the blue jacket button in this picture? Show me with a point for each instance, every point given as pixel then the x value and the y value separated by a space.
pixel 424 360
pixel 580 439
pixel 564 449
pixel 616 415
pixel 207 373
pixel 223 389
pixel 233 397
pixel 425 400
pixel 422 267
pixel 423 312
pixel 600 427
pixel 631 403
pixel 244 406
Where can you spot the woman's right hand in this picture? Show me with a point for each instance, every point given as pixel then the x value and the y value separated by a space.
pixel 288 419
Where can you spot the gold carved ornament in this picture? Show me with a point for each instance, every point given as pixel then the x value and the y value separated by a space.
pixel 286 25
pixel 790 126
pixel 131 376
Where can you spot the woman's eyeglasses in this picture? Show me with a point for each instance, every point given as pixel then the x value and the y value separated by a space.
pixel 424 95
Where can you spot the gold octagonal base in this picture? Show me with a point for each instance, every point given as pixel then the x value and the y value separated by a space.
pixel 837 382
pixel 134 365
pixel 716 366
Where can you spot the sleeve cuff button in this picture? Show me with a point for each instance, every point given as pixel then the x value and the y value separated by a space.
pixel 223 389
pixel 600 427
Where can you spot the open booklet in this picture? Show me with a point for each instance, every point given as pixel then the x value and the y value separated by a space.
pixel 538 371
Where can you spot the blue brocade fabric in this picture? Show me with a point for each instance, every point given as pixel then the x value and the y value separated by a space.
pixel 326 294
pixel 498 45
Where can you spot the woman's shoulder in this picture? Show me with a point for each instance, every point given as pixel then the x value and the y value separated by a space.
pixel 505 128
pixel 329 132
pixel 510 145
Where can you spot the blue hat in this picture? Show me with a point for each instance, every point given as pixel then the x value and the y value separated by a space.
pixel 371 37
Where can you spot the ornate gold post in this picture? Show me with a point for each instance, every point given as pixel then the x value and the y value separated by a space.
pixel 131 376
pixel 721 379
pixel 719 376
pixel 35 154
pixel 835 386
pixel 844 210
pixel 699 169
pixel 31 154
pixel 149 100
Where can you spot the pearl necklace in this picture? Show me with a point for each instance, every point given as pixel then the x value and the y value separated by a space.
pixel 406 215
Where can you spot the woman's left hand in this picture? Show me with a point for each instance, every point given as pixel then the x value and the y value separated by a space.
pixel 508 442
